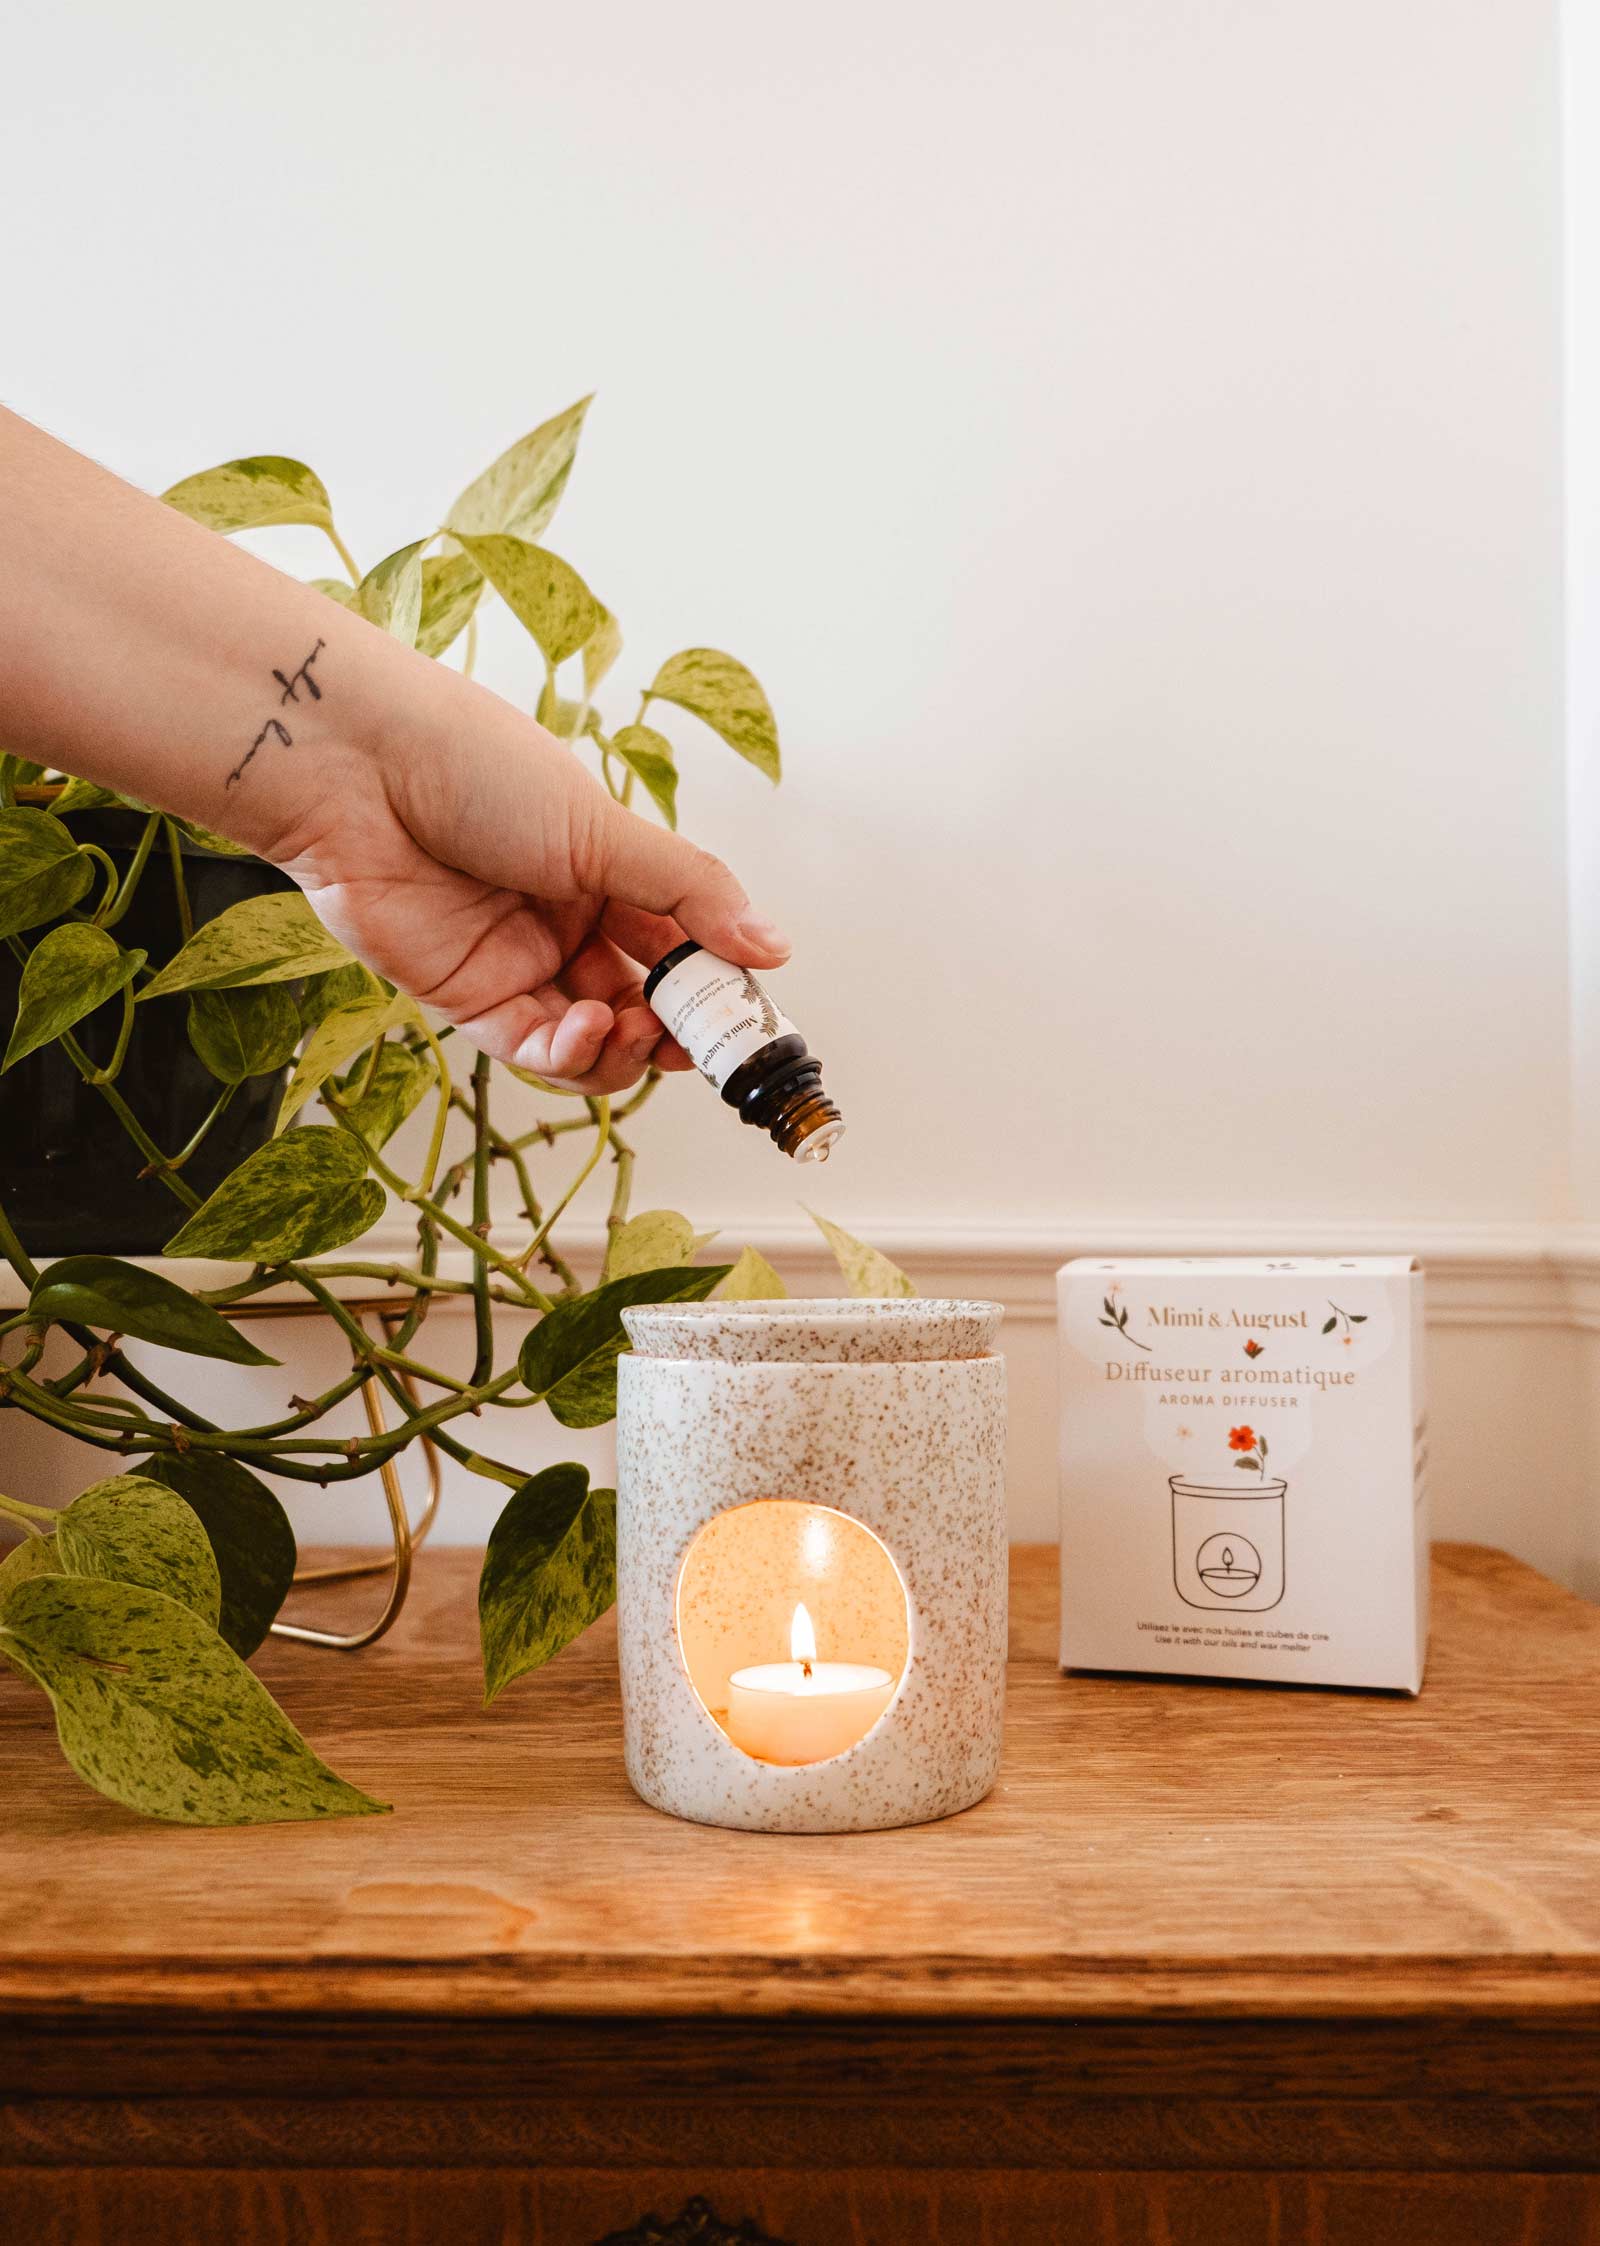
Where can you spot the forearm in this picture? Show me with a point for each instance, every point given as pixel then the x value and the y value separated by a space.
pixel 146 653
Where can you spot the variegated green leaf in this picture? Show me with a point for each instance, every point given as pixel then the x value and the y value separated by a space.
pixel 337 589
pixel 155 1711
pixel 336 1040
pixel 390 595
pixel 727 697
pixel 570 1357
pixel 272 939
pixel 649 753
pixel 43 873
pixel 249 1534
pixel 864 1270
pixel 452 586
pixel 752 1279
pixel 402 1081
pixel 549 1570
pixel 69 972
pixel 128 1298
pixel 545 594
pixel 244 1033
pixel 131 1530
pixel 35 1555
pixel 297 1196
pixel 252 494
pixel 521 491
pixel 600 650
pixel 649 1242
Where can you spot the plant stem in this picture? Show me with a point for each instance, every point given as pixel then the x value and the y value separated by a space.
pixel 119 1051
pixel 130 880
pixel 180 887
pixel 129 1121
pixel 27 1514
pixel 482 1312
pixel 343 552
pixel 600 1112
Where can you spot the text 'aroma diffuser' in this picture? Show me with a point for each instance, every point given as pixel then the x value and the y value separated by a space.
pixel 811 1560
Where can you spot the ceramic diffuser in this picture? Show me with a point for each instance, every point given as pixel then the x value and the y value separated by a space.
pixel 811 1560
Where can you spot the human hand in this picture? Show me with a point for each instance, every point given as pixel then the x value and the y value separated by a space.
pixel 475 863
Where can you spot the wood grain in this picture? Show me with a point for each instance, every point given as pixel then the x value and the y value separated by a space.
pixel 1215 1966
pixel 1151 1846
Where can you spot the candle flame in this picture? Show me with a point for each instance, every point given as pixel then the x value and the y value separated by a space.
pixel 803 1639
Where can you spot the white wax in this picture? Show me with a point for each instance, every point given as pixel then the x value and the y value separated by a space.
pixel 781 1712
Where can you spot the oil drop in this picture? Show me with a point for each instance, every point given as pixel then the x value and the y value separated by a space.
pixel 743 1045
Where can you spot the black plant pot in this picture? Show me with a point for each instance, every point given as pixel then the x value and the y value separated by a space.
pixel 69 1173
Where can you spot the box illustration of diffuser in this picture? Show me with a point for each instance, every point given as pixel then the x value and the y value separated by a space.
pixel 1244 1468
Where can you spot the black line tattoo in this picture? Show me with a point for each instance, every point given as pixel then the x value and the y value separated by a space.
pixel 301 677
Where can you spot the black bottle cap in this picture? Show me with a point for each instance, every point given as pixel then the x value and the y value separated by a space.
pixel 674 958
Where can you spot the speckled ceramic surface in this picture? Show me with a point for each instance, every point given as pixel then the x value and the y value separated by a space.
pixel 912 1447
pixel 825 1331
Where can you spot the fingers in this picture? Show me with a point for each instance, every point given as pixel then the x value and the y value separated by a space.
pixel 650 868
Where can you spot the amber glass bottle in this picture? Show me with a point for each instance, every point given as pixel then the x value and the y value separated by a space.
pixel 742 1044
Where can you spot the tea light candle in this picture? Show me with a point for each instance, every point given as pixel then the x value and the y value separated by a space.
pixel 804 1710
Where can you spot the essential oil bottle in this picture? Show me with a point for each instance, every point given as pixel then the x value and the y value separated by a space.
pixel 740 1042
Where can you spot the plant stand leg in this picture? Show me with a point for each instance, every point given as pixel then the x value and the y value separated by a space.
pixel 407 1540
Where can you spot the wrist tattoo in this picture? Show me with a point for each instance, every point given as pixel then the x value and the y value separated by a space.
pixel 275 729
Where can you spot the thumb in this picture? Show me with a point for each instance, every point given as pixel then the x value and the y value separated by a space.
pixel 656 871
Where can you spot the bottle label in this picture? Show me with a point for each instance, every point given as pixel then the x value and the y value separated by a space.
pixel 719 1014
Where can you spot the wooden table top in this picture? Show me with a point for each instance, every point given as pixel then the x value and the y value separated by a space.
pixel 1153 1849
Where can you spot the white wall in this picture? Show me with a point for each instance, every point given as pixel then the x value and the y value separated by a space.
pixel 1125 437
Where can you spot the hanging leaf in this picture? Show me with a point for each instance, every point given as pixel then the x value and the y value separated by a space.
pixel 522 490
pixel 156 1712
pixel 249 1534
pixel 130 1530
pixel 452 586
pixel 83 795
pixel 390 595
pixel 69 972
pixel 271 939
pixel 403 1079
pixel 17 772
pixel 752 1279
pixel 336 1040
pixel 549 1570
pixel 297 1196
pixel 209 839
pixel 864 1270
pixel 35 1555
pixel 545 594
pixel 128 1298
pixel 339 589
pixel 243 1033
pixel 600 650
pixel 649 753
pixel 649 1242
pixel 252 494
pixel 349 985
pixel 570 1357
pixel 43 873
pixel 724 695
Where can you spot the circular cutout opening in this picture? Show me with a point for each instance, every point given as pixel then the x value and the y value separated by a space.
pixel 794 1628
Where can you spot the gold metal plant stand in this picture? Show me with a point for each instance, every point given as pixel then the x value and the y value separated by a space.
pixel 407 1538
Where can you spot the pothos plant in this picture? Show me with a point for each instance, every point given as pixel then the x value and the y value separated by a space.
pixel 136 1607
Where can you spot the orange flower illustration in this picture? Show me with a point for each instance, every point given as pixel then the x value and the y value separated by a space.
pixel 1252 1348
pixel 1241 1438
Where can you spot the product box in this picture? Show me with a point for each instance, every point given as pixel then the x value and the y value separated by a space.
pixel 1244 1468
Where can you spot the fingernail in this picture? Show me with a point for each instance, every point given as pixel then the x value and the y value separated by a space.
pixel 765 933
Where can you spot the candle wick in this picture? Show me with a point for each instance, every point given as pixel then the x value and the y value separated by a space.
pixel 805 1668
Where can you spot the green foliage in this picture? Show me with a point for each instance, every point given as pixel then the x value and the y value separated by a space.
pixel 390 596
pixel 249 1534
pixel 135 1531
pixel 42 871
pixel 570 1357
pixel 70 972
pixel 252 495
pixel 155 1711
pixel 136 1613
pixel 545 594
pixel 550 1569
pixel 864 1270
pixel 724 695
pixel 649 754
pixel 299 1196
pixel 244 1033
pixel 127 1298
pixel 272 939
